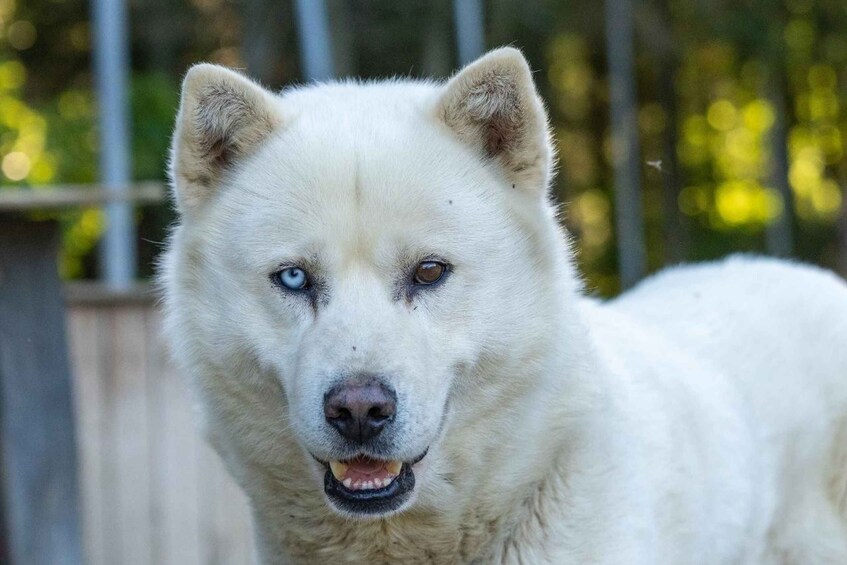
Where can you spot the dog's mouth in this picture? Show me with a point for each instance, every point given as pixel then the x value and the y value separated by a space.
pixel 364 485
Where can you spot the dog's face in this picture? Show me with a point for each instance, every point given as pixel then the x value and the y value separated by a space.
pixel 349 241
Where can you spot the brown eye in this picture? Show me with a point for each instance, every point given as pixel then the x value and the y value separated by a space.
pixel 429 272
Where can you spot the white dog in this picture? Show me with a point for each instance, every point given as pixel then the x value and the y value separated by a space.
pixel 394 356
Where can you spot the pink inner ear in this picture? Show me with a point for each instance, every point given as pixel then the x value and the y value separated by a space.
pixel 502 132
pixel 495 140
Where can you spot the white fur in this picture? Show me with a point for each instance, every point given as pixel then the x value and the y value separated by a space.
pixel 699 419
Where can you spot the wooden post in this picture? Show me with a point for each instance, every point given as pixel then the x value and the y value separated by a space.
pixel 38 465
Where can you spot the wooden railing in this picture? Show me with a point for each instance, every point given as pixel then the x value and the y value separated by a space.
pixel 77 195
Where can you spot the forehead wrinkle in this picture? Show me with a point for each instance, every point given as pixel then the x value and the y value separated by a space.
pixel 359 251
pixel 357 182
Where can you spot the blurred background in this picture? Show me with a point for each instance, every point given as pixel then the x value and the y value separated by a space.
pixel 686 130
pixel 739 108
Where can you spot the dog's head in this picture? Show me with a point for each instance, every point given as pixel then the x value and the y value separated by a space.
pixel 365 247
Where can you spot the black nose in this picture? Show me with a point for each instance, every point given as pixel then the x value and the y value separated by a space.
pixel 360 410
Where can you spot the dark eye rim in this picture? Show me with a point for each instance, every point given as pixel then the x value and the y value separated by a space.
pixel 446 268
pixel 276 279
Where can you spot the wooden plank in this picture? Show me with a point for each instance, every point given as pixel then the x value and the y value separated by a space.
pixel 131 447
pixel 175 442
pixel 231 519
pixel 96 293
pixel 39 466
pixel 78 195
pixel 237 521
pixel 225 527
pixel 110 473
pixel 163 474
pixel 210 536
pixel 83 334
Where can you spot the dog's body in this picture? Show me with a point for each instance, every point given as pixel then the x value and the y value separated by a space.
pixel 700 418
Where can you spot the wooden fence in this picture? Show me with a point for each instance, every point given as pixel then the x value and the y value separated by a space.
pixel 152 491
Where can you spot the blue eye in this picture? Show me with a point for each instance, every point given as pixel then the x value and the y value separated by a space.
pixel 292 278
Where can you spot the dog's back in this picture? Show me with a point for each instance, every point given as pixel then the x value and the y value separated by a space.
pixel 778 333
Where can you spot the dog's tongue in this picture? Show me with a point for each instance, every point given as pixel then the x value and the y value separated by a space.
pixel 365 473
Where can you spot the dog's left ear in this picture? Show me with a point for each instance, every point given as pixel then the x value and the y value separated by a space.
pixel 492 105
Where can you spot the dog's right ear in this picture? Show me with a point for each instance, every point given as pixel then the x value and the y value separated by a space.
pixel 222 118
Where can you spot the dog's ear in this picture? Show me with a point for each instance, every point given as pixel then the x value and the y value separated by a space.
pixel 492 104
pixel 222 118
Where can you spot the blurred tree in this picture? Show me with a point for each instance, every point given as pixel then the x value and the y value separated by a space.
pixel 267 23
pixel 707 74
pixel 655 20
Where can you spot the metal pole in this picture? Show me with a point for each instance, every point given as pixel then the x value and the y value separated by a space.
pixel 469 29
pixel 111 69
pixel 315 45
pixel 779 236
pixel 625 151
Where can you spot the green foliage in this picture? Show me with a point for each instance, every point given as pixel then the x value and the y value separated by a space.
pixel 727 60
pixel 154 102
pixel 714 77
